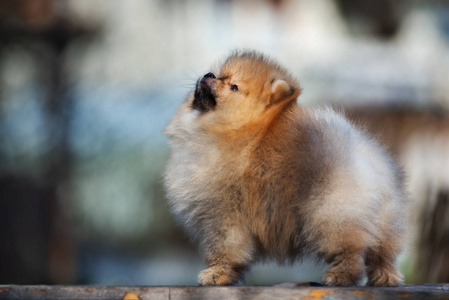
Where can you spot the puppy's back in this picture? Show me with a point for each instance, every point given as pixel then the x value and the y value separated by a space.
pixel 318 166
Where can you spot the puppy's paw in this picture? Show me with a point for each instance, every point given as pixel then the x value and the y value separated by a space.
pixel 385 277
pixel 346 269
pixel 218 275
pixel 333 278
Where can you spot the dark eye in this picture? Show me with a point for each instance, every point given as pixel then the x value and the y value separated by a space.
pixel 234 87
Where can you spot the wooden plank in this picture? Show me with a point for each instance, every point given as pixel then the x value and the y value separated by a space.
pixel 282 291
pixel 82 292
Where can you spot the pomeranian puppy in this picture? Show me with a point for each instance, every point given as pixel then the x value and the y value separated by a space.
pixel 253 176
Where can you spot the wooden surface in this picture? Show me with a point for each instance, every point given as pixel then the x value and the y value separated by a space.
pixel 281 291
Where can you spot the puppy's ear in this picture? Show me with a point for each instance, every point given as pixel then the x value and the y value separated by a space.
pixel 282 90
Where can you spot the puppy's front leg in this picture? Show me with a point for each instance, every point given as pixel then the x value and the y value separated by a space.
pixel 228 254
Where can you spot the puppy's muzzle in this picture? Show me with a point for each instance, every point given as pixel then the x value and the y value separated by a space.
pixel 204 96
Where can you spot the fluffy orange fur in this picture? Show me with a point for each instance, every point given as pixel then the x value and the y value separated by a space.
pixel 254 176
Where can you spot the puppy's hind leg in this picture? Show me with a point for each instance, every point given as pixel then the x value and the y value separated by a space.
pixel 346 269
pixel 228 254
pixel 344 251
pixel 381 267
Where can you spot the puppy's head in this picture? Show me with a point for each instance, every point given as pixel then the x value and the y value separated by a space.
pixel 246 93
pixel 246 86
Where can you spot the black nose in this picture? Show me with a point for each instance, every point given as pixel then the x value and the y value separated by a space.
pixel 209 75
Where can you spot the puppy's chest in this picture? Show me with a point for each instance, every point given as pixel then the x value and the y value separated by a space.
pixel 209 166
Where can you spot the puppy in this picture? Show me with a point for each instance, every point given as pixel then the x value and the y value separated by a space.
pixel 254 176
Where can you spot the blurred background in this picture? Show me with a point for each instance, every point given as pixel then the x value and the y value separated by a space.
pixel 87 87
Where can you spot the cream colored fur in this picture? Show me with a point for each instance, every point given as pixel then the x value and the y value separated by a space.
pixel 260 177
